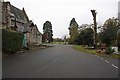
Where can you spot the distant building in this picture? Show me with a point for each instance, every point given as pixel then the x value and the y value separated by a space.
pixel 16 19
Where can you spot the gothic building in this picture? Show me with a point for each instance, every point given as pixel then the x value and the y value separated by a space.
pixel 16 19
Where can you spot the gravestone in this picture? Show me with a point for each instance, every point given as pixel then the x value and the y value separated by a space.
pixel 115 49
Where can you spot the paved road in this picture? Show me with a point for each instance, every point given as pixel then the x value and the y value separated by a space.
pixel 60 61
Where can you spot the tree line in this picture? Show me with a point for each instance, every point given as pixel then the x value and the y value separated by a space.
pixel 108 33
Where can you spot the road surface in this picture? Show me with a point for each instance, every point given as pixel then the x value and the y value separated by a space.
pixel 60 61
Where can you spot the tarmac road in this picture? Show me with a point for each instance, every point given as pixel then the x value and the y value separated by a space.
pixel 60 61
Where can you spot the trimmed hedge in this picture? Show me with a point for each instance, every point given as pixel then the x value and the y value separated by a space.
pixel 11 40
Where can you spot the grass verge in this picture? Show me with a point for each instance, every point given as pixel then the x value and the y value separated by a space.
pixel 24 50
pixel 58 43
pixel 94 51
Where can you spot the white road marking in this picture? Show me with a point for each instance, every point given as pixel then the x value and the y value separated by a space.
pixel 107 62
pixel 102 58
pixel 97 55
pixel 114 66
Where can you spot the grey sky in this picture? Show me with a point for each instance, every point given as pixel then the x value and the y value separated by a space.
pixel 60 12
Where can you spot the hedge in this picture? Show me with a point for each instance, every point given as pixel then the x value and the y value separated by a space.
pixel 11 40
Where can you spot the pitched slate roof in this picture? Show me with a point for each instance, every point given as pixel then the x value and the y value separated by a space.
pixel 25 14
pixel 19 14
pixel 38 32
pixel 27 27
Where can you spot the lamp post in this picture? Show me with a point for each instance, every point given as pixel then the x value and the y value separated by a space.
pixel 95 28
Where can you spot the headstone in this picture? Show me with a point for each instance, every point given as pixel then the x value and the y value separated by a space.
pixel 115 49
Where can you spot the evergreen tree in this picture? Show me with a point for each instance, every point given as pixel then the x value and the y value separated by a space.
pixel 73 31
pixel 47 32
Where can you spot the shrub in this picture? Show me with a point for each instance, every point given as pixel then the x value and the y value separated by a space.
pixel 108 50
pixel 11 40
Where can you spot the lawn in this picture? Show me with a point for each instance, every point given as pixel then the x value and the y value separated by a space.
pixel 94 51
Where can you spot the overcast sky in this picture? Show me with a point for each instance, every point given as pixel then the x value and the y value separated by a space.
pixel 60 12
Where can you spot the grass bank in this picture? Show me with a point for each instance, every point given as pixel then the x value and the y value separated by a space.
pixel 94 51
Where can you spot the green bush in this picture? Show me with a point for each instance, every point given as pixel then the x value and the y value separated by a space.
pixel 108 50
pixel 11 40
